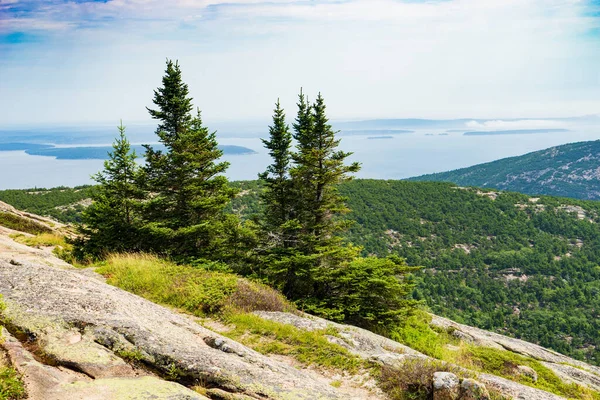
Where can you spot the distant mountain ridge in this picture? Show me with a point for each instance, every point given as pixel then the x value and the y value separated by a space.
pixel 570 170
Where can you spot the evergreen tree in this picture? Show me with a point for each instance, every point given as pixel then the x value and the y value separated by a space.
pixel 111 222
pixel 278 195
pixel 186 186
pixel 312 265
pixel 174 105
pixel 279 228
pixel 320 168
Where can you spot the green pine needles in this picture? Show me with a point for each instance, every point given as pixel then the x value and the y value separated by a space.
pixel 174 205
pixel 303 252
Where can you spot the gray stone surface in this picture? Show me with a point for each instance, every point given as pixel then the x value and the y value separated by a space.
pixel 528 372
pixel 83 321
pixel 446 386
pixel 44 382
pixel 358 341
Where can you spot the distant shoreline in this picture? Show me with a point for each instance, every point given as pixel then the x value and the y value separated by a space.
pixel 514 132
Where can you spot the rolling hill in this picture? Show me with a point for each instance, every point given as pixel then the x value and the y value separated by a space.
pixel 570 170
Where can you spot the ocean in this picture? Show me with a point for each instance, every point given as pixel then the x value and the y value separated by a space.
pixel 394 155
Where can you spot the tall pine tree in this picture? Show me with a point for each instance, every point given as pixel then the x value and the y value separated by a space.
pixel 279 226
pixel 111 223
pixel 185 182
pixel 278 195
pixel 320 168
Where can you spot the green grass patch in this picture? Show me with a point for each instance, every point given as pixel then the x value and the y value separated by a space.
pixel 21 224
pixel 11 385
pixel 62 248
pixel 41 240
pixel 417 334
pixel 436 343
pixel 196 290
pixel 308 347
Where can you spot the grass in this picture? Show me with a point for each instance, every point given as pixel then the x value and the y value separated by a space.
pixel 503 363
pixel 196 290
pixel 21 224
pixel 41 240
pixel 11 385
pixel 62 249
pixel 308 347
pixel 230 299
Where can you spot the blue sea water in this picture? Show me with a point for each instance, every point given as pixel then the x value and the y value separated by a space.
pixel 407 154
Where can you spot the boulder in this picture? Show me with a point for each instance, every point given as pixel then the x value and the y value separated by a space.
pixel 529 372
pixel 470 389
pixel 446 386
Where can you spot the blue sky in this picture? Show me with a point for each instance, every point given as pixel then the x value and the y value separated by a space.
pixel 72 62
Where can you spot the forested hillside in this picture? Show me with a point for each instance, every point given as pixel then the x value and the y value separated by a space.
pixel 570 170
pixel 525 266
pixel 507 262
pixel 62 203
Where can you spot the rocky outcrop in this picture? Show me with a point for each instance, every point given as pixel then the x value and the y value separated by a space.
pixel 83 324
pixel 446 386
pixel 373 347
pixel 358 341
pixel 75 337
pixel 566 368
pixel 52 383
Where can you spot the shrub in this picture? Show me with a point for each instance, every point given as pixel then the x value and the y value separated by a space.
pixel 369 292
pixel 417 334
pixel 255 296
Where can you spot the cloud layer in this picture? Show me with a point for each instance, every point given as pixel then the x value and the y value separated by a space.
pixel 99 60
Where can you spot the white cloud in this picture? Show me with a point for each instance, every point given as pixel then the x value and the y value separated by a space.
pixel 371 58
pixel 518 124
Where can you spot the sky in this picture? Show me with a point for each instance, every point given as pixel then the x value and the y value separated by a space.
pixel 86 61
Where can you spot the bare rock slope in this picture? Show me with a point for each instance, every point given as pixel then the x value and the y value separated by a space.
pixel 83 324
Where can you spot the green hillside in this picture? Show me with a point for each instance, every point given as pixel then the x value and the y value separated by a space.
pixel 522 266
pixel 526 267
pixel 62 203
pixel 570 170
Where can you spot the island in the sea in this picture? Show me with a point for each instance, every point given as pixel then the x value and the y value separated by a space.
pixel 95 152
